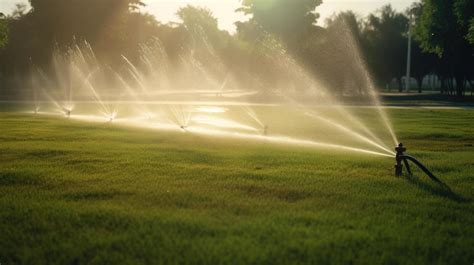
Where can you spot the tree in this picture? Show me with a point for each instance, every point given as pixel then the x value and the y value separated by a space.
pixel 100 22
pixel 61 23
pixel 340 57
pixel 201 24
pixel 287 19
pixel 3 31
pixel 204 45
pixel 422 63
pixel 194 17
pixel 443 29
pixel 15 54
pixel 385 44
pixel 464 11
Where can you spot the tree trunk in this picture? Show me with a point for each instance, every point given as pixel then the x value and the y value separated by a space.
pixel 450 86
pixel 443 85
pixel 459 85
pixel 470 85
pixel 419 82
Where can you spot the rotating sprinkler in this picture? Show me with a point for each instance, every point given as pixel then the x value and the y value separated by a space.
pixel 401 157
pixel 265 130
pixel 67 112
pixel 111 116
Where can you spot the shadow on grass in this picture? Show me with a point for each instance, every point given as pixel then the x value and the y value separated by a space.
pixel 95 196
pixel 14 178
pixel 437 189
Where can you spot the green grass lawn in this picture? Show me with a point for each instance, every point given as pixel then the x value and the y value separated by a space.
pixel 83 193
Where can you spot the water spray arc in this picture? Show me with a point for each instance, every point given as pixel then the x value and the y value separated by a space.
pixel 151 92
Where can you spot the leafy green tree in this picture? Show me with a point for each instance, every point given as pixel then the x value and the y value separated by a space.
pixel 21 44
pixel 101 22
pixel 3 31
pixel 437 26
pixel 443 29
pixel 60 23
pixel 287 19
pixel 464 11
pixel 339 61
pixel 201 25
pixel 194 17
pixel 347 19
pixel 202 28
pixel 204 44
pixel 385 44
pixel 422 63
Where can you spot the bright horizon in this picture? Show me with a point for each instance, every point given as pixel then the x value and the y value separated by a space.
pixel 224 10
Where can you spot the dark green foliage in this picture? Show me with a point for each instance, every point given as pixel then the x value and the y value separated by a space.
pixel 114 29
pixel 3 31
pixel 385 40
pixel 59 24
pixel 202 35
pixel 443 28
pixel 464 12
pixel 196 18
pixel 339 55
pixel 288 19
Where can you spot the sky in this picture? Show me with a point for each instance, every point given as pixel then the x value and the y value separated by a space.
pixel 165 10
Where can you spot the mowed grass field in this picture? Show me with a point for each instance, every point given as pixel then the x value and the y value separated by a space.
pixel 82 193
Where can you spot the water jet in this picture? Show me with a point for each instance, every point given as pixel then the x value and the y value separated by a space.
pixel 150 93
pixel 67 112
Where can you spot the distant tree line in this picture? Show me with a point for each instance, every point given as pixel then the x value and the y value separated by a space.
pixel 443 32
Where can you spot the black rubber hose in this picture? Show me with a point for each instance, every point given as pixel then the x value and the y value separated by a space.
pixel 422 167
pixel 407 165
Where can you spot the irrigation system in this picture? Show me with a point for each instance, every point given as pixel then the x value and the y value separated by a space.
pixel 401 157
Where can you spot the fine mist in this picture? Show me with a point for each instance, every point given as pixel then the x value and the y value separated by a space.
pixel 196 91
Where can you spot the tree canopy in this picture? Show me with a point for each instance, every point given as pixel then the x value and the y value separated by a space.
pixel 3 31
pixel 279 40
pixel 385 41
pixel 443 28
pixel 288 19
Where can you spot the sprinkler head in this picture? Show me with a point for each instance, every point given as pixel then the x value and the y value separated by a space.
pixel 111 117
pixel 401 157
pixel 67 112
pixel 398 158
pixel 400 149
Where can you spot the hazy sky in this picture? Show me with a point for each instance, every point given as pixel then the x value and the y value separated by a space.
pixel 165 10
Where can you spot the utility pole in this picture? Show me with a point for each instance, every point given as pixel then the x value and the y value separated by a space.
pixel 407 77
